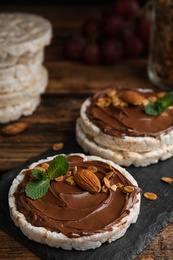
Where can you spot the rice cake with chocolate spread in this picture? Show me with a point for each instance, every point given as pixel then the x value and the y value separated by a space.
pixel 68 216
pixel 113 128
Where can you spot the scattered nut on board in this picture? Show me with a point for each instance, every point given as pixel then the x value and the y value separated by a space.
pixel 167 180
pixel 148 258
pixel 14 129
pixel 150 195
pixel 57 146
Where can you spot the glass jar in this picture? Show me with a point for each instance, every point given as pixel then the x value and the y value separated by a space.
pixel 160 64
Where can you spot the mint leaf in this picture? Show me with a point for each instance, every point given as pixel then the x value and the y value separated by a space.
pixel 40 175
pixel 167 99
pixel 158 107
pixel 154 109
pixel 59 166
pixel 36 188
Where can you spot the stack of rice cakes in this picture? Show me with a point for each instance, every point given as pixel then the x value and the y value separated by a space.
pixel 23 78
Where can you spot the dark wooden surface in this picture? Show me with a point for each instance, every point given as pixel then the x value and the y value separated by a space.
pixel 54 120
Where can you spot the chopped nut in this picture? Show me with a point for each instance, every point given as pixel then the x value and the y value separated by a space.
pixel 60 178
pixel 74 170
pixel 152 99
pixel 164 114
pixel 57 146
pixel 40 168
pixel 145 102
pixel 160 95
pixel 100 102
pixel 14 129
pixel 119 185
pixel 113 187
pixel 68 173
pixel 104 188
pixel 115 101
pixel 111 93
pixel 106 182
pixel 112 169
pixel 167 179
pixel 45 166
pixel 150 195
pixel 70 180
pixel 122 104
pixel 170 108
pixel 108 101
pixel 128 189
pixel 109 175
pixel 92 168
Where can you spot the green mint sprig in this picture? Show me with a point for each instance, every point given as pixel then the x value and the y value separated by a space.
pixel 39 186
pixel 158 107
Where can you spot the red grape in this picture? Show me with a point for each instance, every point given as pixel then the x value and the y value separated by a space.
pixel 112 50
pixel 143 30
pixel 132 46
pixel 91 54
pixel 90 28
pixel 128 9
pixel 73 47
pixel 113 25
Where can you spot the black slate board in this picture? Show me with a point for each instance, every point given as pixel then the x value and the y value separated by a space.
pixel 154 215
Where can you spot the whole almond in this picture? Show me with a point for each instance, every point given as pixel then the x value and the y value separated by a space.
pixel 14 129
pixel 150 195
pixel 132 97
pixel 87 180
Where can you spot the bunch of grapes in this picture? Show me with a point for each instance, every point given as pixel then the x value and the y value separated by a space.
pixel 122 32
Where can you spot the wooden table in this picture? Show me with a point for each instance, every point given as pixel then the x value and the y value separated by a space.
pixel 54 120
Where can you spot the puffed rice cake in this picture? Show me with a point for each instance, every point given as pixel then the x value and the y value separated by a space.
pixel 126 150
pixel 80 241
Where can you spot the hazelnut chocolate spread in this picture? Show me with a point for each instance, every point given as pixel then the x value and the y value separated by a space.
pixel 129 120
pixel 74 212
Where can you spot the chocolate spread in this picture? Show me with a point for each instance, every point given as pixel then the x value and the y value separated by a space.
pixel 74 212
pixel 128 120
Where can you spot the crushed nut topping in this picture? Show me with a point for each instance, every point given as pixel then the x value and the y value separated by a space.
pixel 106 182
pixel 70 180
pixel 45 166
pixel 119 185
pixel 40 168
pixel 152 99
pixel 68 173
pixel 128 189
pixel 58 179
pixel 111 92
pixel 113 187
pixel 104 188
pixel 109 175
pixel 74 170
pixel 92 168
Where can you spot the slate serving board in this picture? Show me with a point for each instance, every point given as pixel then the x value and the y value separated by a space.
pixel 154 215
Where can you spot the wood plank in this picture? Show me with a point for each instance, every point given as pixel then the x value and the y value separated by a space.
pixel 54 120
